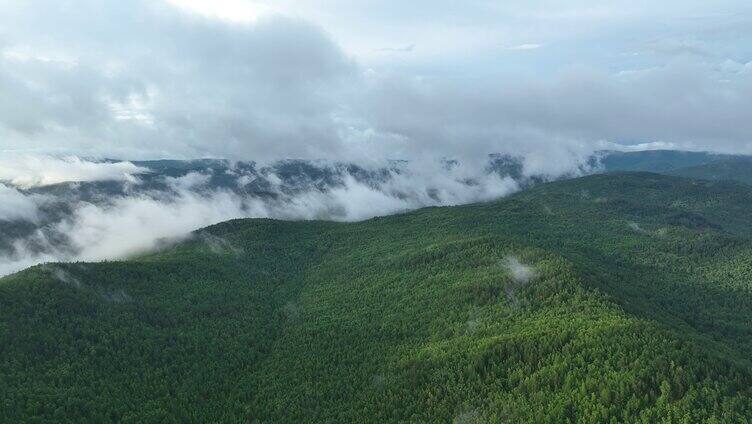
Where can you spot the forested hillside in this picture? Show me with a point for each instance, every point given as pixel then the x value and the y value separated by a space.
pixel 737 169
pixel 607 298
pixel 658 160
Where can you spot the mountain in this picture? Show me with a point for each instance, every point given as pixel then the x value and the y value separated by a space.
pixel 697 165
pixel 737 169
pixel 655 160
pixel 620 297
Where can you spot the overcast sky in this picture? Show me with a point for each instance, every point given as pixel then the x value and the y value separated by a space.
pixel 369 79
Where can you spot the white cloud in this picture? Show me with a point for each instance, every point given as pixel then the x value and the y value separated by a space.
pixel 27 170
pixel 638 147
pixel 526 46
pixel 519 272
pixel 230 10
pixel 188 181
pixel 135 224
pixel 22 260
pixel 280 85
pixel 128 224
pixel 15 205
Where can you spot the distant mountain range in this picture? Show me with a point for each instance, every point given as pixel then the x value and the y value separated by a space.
pixel 657 160
pixel 275 186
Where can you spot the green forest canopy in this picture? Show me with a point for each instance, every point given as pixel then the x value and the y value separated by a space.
pixel 608 298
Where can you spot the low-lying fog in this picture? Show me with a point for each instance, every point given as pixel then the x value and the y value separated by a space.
pixel 68 209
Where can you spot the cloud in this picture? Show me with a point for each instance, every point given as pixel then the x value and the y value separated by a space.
pixel 636 228
pixel 15 205
pixel 26 170
pixel 638 147
pixel 410 189
pixel 407 49
pixel 167 81
pixel 230 10
pixel 266 89
pixel 680 47
pixel 132 225
pixel 124 226
pixel 115 224
pixel 526 46
pixel 684 104
pixel 22 260
pixel 519 272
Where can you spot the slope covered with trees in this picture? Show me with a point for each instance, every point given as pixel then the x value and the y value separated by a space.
pixel 607 298
pixel 736 169
pixel 657 160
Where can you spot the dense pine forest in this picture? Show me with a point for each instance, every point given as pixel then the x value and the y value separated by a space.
pixel 621 297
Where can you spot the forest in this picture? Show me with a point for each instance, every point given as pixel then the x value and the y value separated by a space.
pixel 610 298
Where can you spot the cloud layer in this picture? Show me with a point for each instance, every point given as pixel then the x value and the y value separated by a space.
pixel 15 205
pixel 27 170
pixel 291 80
pixel 112 217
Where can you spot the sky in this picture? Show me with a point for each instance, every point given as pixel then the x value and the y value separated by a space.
pixel 371 80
